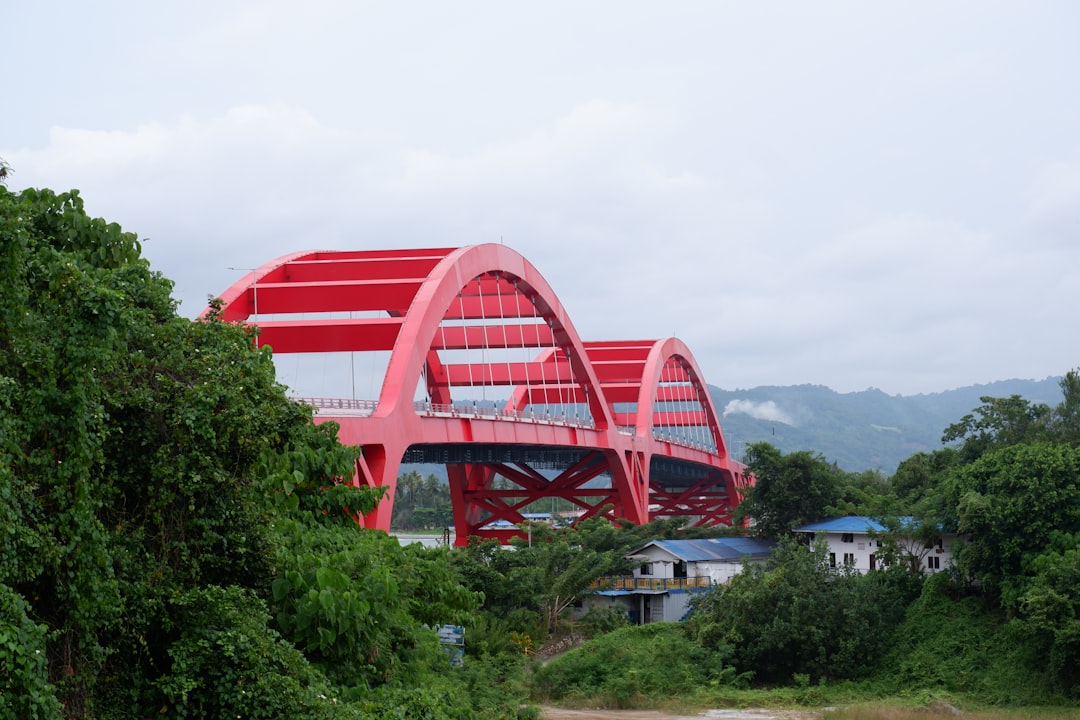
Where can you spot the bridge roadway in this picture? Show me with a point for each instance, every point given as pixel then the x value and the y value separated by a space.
pixel 684 478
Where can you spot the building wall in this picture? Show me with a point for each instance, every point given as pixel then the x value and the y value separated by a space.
pixel 661 565
pixel 866 552
pixel 718 571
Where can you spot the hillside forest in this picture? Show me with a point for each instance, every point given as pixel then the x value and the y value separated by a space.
pixel 174 544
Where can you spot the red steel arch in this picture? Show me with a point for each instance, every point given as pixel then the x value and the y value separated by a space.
pixel 430 306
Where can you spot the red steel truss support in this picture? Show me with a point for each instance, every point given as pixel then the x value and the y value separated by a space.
pixel 451 319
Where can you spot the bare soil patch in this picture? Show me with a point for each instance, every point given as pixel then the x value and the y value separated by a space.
pixel 554 713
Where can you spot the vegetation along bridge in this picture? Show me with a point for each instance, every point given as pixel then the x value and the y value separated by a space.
pixel 485 373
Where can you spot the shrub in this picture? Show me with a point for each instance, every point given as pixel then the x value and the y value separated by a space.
pixel 226 663
pixel 25 692
pixel 632 666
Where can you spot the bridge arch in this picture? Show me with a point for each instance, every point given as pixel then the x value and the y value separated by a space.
pixel 442 314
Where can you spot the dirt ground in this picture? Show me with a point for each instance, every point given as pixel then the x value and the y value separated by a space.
pixel 553 713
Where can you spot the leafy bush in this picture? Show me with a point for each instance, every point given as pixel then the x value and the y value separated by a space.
pixel 960 646
pixel 226 663
pixel 598 621
pixel 633 666
pixel 797 615
pixel 25 693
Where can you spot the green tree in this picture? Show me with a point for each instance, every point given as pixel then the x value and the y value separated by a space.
pixel 129 451
pixel 797 615
pixel 923 474
pixel 156 484
pixel 867 493
pixel 789 490
pixel 1014 504
pixel 1066 416
pixel 999 422
pixel 1050 612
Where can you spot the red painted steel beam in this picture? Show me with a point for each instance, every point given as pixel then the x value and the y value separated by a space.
pixel 615 370
pixel 675 393
pixel 394 253
pixel 308 336
pixel 337 296
pixel 665 419
pixel 381 268
pixel 621 392
pixel 502 374
pixel 688 418
pixel 465 337
pixel 490 307
pixel 492 284
pixel 557 394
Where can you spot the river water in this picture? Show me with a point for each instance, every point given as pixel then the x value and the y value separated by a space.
pixel 425 540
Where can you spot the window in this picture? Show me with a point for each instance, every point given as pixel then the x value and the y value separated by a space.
pixel 849 558
pixel 933 562
pixel 646 568
pixel 832 559
pixel 847 537
pixel 873 561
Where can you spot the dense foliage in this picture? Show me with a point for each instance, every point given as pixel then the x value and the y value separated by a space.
pixel 797 615
pixel 1009 485
pixel 173 541
pixel 632 666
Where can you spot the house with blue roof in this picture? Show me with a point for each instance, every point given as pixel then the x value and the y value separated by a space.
pixel 862 542
pixel 667 573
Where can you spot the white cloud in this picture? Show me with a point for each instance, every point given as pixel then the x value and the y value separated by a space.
pixel 767 410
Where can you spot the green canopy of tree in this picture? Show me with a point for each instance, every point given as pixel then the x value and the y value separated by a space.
pixel 797 615
pixel 789 490
pixel 173 538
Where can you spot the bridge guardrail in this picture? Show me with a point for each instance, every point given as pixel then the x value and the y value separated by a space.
pixel 365 408
pixel 493 413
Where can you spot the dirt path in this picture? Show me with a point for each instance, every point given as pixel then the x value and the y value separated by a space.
pixel 554 713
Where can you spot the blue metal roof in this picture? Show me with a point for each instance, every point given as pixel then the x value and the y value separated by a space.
pixel 726 548
pixel 850 524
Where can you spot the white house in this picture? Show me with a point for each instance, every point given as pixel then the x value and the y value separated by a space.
pixel 860 540
pixel 668 572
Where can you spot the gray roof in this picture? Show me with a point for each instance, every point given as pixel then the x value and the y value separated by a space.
pixel 729 549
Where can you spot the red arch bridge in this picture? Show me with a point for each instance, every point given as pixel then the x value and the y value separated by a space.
pixel 483 371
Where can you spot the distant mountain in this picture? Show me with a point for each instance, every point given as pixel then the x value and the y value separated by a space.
pixel 858 431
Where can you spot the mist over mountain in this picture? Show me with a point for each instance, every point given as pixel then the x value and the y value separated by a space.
pixel 864 430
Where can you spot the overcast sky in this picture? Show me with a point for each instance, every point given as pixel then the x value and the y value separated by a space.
pixel 852 194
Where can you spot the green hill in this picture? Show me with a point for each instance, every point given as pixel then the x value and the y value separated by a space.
pixel 858 431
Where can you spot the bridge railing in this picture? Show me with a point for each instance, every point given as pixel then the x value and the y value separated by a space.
pixel 365 408
pixel 350 406
pixel 488 412
pixel 629 582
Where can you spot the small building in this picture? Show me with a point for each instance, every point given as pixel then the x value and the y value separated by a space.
pixel 862 542
pixel 668 572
